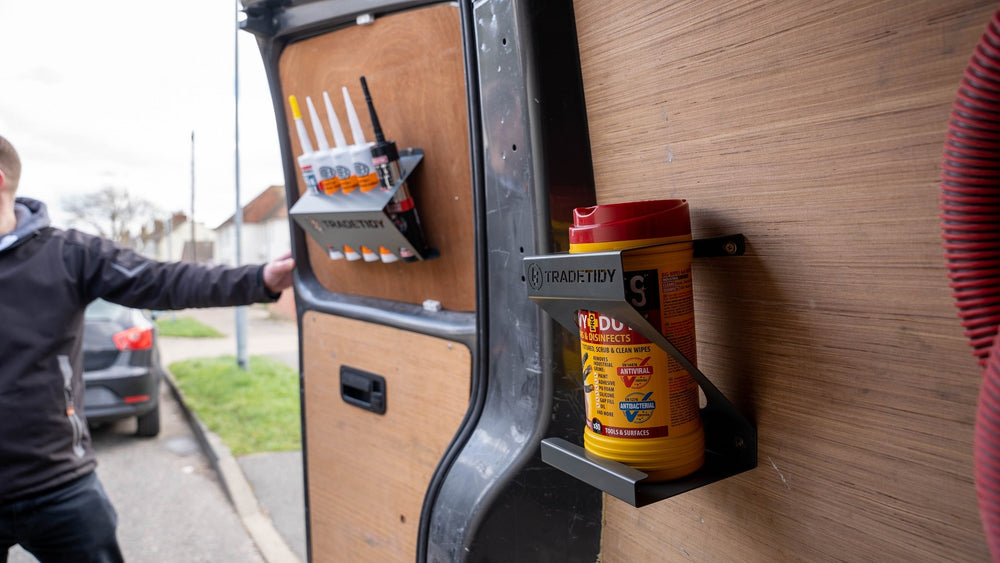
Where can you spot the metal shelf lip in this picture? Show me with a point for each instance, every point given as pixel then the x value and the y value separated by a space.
pixel 562 284
pixel 358 219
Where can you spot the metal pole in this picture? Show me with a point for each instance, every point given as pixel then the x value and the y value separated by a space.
pixel 241 312
pixel 194 240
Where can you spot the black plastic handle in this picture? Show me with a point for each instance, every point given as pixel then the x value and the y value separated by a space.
pixel 362 389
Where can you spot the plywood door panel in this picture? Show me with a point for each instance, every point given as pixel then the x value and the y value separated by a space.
pixel 368 473
pixel 413 64
pixel 816 129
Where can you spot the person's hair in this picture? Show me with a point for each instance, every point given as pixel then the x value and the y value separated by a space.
pixel 10 163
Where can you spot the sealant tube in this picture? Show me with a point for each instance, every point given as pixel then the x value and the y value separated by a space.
pixel 342 157
pixel 323 160
pixel 401 208
pixel 334 253
pixel 386 255
pixel 351 254
pixel 385 156
pixel 305 160
pixel 360 151
pixel 368 254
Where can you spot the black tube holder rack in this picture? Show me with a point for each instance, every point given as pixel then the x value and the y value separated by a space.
pixel 358 219
pixel 730 440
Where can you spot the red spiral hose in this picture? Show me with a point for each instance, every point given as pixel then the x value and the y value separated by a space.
pixel 970 222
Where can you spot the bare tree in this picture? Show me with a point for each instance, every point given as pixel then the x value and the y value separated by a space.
pixel 112 213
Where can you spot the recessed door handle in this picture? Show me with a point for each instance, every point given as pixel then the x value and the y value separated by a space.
pixel 362 389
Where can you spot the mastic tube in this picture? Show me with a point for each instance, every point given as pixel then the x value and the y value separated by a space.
pixel 304 160
pixel 642 407
pixel 368 254
pixel 342 158
pixel 333 253
pixel 360 151
pixel 401 208
pixel 323 160
pixel 386 255
pixel 403 213
pixel 351 254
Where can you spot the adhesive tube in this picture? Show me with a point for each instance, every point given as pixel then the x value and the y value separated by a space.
pixel 305 159
pixel 360 151
pixel 385 156
pixel 342 158
pixel 334 253
pixel 351 254
pixel 401 208
pixel 325 166
pixel 386 255
pixel 368 254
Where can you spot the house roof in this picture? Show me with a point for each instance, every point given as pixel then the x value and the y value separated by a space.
pixel 270 204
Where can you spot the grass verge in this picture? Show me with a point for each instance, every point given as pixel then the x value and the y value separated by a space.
pixel 186 327
pixel 252 411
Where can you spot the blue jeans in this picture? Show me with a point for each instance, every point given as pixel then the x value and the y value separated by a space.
pixel 75 522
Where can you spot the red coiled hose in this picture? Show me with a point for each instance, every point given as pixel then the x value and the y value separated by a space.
pixel 970 221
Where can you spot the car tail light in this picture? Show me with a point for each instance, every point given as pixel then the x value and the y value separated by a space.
pixel 134 338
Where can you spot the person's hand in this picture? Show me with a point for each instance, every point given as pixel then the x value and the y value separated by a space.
pixel 278 273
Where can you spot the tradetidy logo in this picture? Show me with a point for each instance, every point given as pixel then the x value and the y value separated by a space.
pixel 535 276
pixel 350 224
pixel 538 277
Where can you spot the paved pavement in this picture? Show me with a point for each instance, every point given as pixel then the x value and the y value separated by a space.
pixel 266 489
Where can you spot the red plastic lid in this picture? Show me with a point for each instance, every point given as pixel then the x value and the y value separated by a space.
pixel 633 220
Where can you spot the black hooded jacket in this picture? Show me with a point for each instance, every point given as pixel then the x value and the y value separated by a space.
pixel 47 278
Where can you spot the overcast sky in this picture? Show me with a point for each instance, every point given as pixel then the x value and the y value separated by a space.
pixel 107 93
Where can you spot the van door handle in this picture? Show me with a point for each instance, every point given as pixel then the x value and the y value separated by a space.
pixel 362 389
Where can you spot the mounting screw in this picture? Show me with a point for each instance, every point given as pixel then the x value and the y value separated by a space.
pixel 739 443
pixel 731 248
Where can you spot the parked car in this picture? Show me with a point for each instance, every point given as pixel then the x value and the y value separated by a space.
pixel 121 366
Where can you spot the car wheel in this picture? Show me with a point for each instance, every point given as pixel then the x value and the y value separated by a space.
pixel 149 423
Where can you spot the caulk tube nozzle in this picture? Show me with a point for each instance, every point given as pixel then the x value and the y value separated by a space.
pixel 376 126
pixel 341 155
pixel 385 157
pixel 305 159
pixel 352 117
pixel 300 126
pixel 360 151
pixel 338 133
pixel 317 126
pixel 324 161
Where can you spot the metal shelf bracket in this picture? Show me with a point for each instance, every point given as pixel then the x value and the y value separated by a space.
pixel 562 284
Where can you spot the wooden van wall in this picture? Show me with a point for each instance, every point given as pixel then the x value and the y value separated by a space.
pixel 816 129
pixel 413 64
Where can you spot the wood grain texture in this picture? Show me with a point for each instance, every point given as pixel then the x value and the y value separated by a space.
pixel 368 473
pixel 816 129
pixel 413 64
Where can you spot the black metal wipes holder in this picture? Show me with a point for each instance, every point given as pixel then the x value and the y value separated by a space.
pixel 359 219
pixel 563 284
